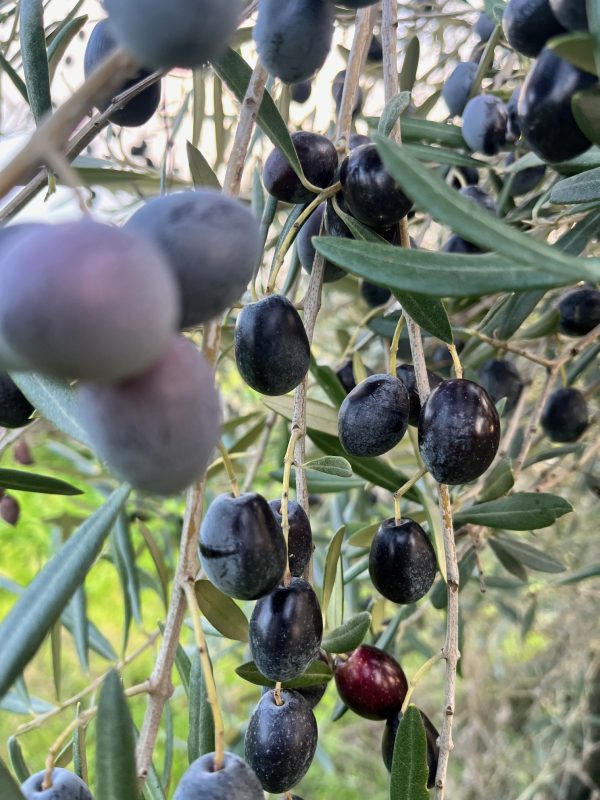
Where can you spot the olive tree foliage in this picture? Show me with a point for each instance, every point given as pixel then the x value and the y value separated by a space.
pixel 91 574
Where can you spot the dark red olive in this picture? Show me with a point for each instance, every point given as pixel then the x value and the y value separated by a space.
pixel 545 115
pixel 459 431
pixel 371 682
pixel 433 750
pixel 370 192
pixel 402 561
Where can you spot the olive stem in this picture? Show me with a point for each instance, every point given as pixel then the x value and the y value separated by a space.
pixel 161 686
pixel 399 494
pixel 509 347
pixel 293 232
pixel 418 676
pixel 288 463
pixel 209 679
pixel 394 345
pixel 374 312
pixel 450 650
pixel 78 722
pixel 229 469
pixel 277 694
pixel 486 60
pixel 38 721
pixel 455 361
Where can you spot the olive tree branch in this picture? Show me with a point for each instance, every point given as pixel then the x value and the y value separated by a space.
pixel 450 650
pixel 161 687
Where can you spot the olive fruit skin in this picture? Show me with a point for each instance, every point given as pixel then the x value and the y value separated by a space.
pixel 514 128
pixel 354 3
pixel 281 741
pixel 485 121
pixel 457 87
pixel 86 300
pixel 15 408
pixel 242 549
pixel 10 510
pixel 356 139
pixel 300 542
pixel 157 430
pixel 212 244
pixel 337 89
pixel 374 416
pixel 479 196
pixel 306 250
pixel 286 628
pixel 572 14
pixel 236 781
pixel 370 192
pixel 318 157
pixel 528 24
pixel 346 376
pixel 293 39
pixel 375 52
pixel 371 683
pixel 484 27
pixel 456 244
pixel 525 180
pixel 433 751
pixel 579 311
pixel 500 378
pixel 184 33
pixel 406 373
pixel 373 295
pixel 301 91
pixel 459 431
pixel 272 351
pixel 65 786
pixel 565 416
pixel 402 561
pixel 545 114
pixel 139 109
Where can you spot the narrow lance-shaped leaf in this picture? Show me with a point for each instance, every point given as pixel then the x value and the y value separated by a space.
pixel 349 635
pixel 331 465
pixel 408 779
pixel 81 626
pixel 334 552
pixel 221 611
pixel 32 482
pixel 201 734
pixel 14 76
pixel 44 599
pixel 9 789
pixel 508 561
pixel 122 538
pixel 466 219
pixel 62 40
pixel 35 59
pixel 17 760
pixel 521 511
pixel 528 555
pixel 116 777
pixel 202 173
pixel 316 674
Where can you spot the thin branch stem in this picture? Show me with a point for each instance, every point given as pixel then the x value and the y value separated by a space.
pixel 288 462
pixel 485 61
pixel 209 679
pixel 394 345
pixel 499 344
pixel 399 494
pixel 458 370
pixel 229 469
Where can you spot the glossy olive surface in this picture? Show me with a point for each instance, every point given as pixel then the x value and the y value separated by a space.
pixel 286 628
pixel 528 24
pixel 271 346
pixel 374 416
pixel 579 311
pixel 300 543
pixel 319 160
pixel 514 128
pixel 235 781
pixel 406 373
pixel 370 192
pixel 433 751
pixel 301 91
pixel 242 549
pixel 500 378
pixel 281 740
pixel 402 561
pixel 371 682
pixel 484 27
pixel 337 89
pixel 457 87
pixel 545 114
pixel 65 786
pixel 306 250
pixel 572 14
pixel 293 38
pixel 15 408
pixel 346 376
pixel 139 109
pixel 373 295
pixel 485 121
pixel 565 416
pixel 459 431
